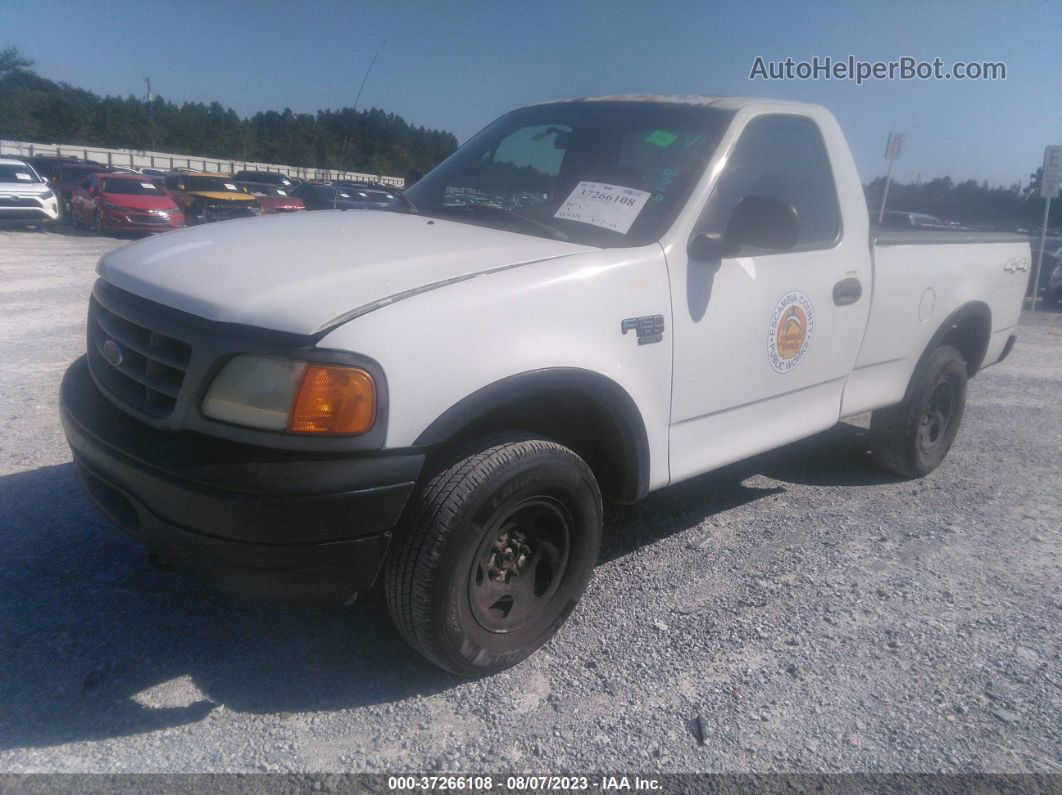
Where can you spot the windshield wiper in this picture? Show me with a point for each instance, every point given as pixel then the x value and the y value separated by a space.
pixel 552 231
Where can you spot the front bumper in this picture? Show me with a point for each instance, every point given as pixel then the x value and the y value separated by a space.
pixel 28 210
pixel 131 221
pixel 281 526
pixel 225 211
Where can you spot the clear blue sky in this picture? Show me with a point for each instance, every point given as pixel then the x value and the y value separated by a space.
pixel 457 65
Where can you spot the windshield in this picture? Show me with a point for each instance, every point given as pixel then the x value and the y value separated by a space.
pixel 601 173
pixel 130 187
pixel 211 184
pixel 10 173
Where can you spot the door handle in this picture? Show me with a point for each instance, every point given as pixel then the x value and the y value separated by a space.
pixel 847 291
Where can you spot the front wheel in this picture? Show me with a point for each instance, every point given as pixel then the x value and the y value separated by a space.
pixel 498 549
pixel 913 438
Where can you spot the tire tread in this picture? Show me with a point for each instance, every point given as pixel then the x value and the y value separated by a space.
pixel 421 543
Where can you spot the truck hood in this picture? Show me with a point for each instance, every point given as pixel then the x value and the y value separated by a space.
pixel 222 195
pixel 139 201
pixel 305 272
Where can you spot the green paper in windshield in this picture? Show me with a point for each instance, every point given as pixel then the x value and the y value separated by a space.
pixel 661 138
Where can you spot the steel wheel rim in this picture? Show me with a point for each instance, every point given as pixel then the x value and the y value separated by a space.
pixel 520 565
pixel 936 419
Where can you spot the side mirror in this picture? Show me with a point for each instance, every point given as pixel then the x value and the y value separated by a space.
pixel 709 247
pixel 757 222
pixel 763 222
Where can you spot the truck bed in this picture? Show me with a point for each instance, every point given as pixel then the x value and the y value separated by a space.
pixel 920 277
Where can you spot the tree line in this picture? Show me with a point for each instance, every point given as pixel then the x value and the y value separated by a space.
pixel 33 108
pixel 969 202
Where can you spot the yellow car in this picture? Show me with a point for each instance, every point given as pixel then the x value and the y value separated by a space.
pixel 205 196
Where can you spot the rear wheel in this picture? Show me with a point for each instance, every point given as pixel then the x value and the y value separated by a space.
pixel 913 438
pixel 495 556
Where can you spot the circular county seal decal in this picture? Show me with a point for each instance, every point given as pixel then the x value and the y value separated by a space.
pixel 792 327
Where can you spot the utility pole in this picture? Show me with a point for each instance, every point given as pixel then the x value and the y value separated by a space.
pixel 1049 182
pixel 893 150
pixel 151 115
pixel 343 151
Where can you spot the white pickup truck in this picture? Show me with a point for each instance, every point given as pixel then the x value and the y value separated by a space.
pixel 598 297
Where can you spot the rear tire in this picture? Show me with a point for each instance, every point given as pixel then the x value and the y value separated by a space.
pixel 496 553
pixel 913 438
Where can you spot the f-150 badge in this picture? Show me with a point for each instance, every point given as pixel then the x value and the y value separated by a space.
pixel 649 328
pixel 792 327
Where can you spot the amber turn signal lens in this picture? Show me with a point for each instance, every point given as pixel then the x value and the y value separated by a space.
pixel 333 400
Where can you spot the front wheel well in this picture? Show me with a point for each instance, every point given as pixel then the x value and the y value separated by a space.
pixel 593 417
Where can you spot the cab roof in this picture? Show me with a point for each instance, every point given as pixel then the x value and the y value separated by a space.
pixel 721 102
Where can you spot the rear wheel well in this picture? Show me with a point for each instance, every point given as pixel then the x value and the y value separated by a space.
pixel 569 418
pixel 967 330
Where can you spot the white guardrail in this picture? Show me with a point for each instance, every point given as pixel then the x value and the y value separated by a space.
pixel 135 158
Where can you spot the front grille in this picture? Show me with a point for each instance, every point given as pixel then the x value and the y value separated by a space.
pixel 19 201
pixel 138 365
pixel 147 218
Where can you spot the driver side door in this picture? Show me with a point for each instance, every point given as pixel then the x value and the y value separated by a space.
pixel 763 342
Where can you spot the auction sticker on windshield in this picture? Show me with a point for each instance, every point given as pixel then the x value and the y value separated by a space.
pixel 609 206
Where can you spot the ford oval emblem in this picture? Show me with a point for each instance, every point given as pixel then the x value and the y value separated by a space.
pixel 112 353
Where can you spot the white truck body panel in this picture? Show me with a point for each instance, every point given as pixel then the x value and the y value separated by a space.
pixel 728 401
pixel 559 313
pixel 398 288
pixel 300 272
pixel 916 287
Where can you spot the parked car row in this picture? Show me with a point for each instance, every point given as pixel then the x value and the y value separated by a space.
pixel 109 199
pixel 24 196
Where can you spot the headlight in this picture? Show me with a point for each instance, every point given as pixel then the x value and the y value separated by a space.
pixel 47 195
pixel 298 397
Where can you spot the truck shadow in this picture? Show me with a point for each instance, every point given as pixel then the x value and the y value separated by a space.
pixel 839 457
pixel 97 644
pixel 89 632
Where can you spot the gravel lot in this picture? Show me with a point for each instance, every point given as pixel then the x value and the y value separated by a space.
pixel 797 612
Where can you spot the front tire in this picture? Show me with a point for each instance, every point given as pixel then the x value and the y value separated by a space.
pixel 912 439
pixel 495 555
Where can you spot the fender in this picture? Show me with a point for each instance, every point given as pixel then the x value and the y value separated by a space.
pixel 616 404
pixel 976 311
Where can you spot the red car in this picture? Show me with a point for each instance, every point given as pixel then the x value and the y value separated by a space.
pixel 273 198
pixel 124 203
